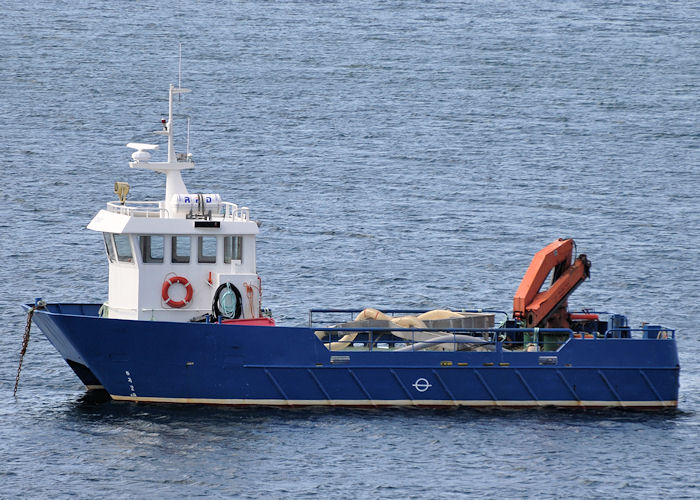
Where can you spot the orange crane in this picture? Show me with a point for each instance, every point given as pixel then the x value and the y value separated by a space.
pixel 548 308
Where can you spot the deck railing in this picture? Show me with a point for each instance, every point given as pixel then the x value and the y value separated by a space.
pixel 153 209
pixel 443 339
pixel 138 209
pixel 397 339
pixel 350 314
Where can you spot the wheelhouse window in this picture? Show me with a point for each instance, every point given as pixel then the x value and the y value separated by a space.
pixel 123 246
pixel 181 249
pixel 233 248
pixel 151 248
pixel 206 246
pixel 109 247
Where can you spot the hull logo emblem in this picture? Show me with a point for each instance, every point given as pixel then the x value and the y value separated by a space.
pixel 421 385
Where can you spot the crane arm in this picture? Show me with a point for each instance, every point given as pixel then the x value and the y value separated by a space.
pixel 535 307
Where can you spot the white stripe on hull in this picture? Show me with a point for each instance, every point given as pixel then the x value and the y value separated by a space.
pixel 400 402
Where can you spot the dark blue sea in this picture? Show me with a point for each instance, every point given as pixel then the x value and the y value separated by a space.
pixel 398 153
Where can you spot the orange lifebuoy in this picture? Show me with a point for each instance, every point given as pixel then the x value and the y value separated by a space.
pixel 188 291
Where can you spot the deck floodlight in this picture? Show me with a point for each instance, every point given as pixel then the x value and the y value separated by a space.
pixel 121 189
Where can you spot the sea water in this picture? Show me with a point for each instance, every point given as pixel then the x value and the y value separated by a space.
pixel 398 154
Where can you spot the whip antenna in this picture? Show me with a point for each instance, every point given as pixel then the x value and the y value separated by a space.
pixel 179 72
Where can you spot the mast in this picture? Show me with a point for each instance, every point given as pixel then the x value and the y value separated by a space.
pixel 175 163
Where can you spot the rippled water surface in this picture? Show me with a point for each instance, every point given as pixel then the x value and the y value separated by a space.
pixel 408 154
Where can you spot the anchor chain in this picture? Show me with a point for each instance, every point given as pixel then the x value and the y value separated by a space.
pixel 25 341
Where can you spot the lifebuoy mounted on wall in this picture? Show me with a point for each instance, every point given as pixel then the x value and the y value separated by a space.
pixel 227 302
pixel 189 291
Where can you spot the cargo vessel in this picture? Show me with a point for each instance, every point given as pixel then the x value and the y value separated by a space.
pixel 184 322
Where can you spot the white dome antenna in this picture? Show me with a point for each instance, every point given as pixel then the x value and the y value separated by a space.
pixel 141 153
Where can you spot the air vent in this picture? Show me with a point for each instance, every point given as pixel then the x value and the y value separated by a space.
pixel 340 359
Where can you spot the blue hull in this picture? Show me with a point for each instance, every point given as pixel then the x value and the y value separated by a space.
pixel 288 366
